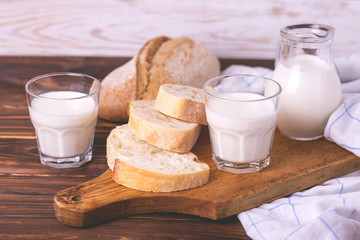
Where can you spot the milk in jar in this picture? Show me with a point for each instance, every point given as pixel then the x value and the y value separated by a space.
pixel 311 88
pixel 311 93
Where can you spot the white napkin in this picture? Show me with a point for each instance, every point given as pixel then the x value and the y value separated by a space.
pixel 348 67
pixel 327 211
pixel 343 127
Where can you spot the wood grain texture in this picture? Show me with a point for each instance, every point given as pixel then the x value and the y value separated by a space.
pixel 231 28
pixel 27 188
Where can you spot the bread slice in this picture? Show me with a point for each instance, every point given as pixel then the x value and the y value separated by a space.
pixel 141 166
pixel 160 130
pixel 182 102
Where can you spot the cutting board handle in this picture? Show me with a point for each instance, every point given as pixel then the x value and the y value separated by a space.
pixel 101 199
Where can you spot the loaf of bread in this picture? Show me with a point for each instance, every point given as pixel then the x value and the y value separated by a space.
pixel 179 60
pixel 117 89
pixel 161 60
pixel 141 166
pixel 182 102
pixel 160 130
pixel 144 64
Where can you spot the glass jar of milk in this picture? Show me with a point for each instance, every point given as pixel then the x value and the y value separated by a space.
pixel 311 88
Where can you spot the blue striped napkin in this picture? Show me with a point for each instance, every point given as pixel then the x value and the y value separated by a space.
pixel 330 210
pixel 327 211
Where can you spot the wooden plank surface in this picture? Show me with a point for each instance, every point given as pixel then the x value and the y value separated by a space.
pixel 27 188
pixel 231 28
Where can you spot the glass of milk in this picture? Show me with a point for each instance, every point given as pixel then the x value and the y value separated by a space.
pixel 241 111
pixel 63 108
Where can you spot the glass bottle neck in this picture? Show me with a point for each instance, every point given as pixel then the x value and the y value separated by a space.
pixel 310 39
pixel 308 33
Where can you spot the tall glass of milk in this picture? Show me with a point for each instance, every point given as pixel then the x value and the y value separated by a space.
pixel 63 108
pixel 311 86
pixel 241 111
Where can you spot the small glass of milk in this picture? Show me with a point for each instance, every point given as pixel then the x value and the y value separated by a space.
pixel 63 108
pixel 241 111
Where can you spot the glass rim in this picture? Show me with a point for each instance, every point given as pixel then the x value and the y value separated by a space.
pixel 278 92
pixel 318 33
pixel 55 74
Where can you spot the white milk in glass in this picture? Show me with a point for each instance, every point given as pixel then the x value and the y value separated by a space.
pixel 311 91
pixel 64 128
pixel 241 132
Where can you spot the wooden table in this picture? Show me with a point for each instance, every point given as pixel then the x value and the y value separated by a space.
pixel 27 187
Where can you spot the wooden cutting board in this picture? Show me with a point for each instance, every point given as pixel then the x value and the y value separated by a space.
pixel 294 165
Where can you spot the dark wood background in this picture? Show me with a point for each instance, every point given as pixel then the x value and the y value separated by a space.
pixel 27 187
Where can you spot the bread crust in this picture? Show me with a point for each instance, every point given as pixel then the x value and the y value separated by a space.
pixel 144 180
pixel 177 51
pixel 181 107
pixel 144 62
pixel 177 60
pixel 118 88
pixel 165 137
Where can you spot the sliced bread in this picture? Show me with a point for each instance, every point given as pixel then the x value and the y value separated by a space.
pixel 139 165
pixel 160 130
pixel 182 102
